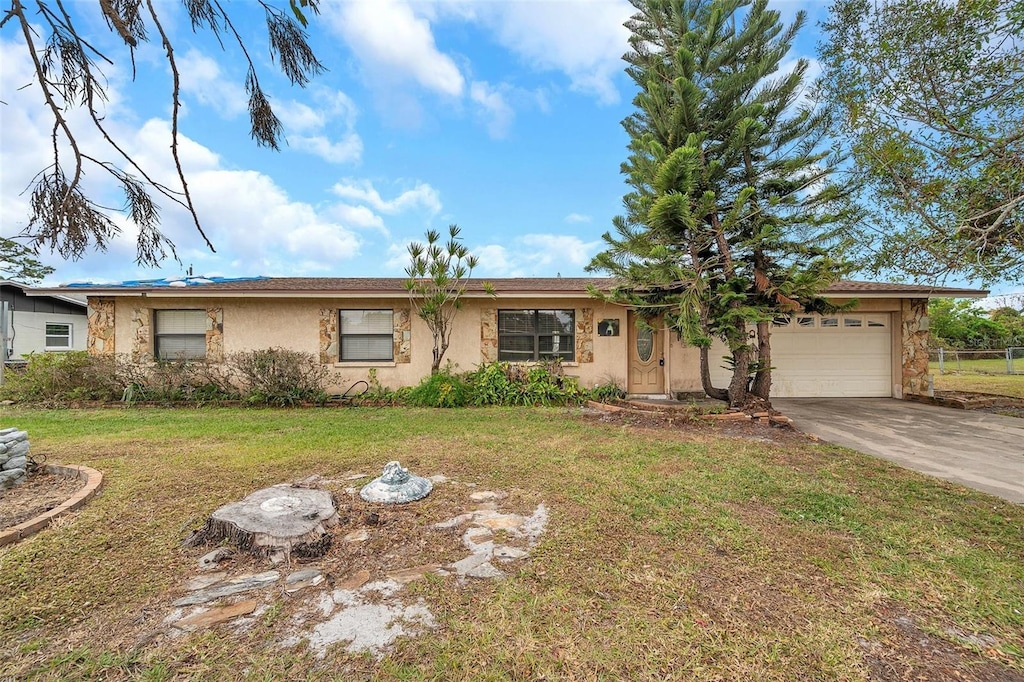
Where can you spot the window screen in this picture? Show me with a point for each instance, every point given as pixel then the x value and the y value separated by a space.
pixel 58 335
pixel 529 335
pixel 366 335
pixel 179 334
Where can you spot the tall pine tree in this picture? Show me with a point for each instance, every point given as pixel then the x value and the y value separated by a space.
pixel 734 217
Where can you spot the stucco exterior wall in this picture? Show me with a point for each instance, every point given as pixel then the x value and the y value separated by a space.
pixel 311 326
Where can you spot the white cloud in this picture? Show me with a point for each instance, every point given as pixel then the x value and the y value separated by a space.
pixel 255 225
pixel 584 39
pixel 498 112
pixel 392 41
pixel 577 218
pixel 201 77
pixel 422 196
pixel 350 148
pixel 536 255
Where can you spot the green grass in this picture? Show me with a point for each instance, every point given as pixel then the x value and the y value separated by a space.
pixel 670 553
pixel 980 376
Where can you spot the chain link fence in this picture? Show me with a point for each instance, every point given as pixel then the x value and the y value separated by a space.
pixel 992 361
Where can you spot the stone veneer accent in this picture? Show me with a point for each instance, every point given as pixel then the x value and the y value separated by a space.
pixel 215 334
pixel 914 342
pixel 585 335
pixel 142 339
pixel 328 336
pixel 330 340
pixel 488 335
pixel 403 335
pixel 101 326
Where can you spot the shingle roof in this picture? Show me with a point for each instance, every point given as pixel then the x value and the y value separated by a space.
pixel 336 286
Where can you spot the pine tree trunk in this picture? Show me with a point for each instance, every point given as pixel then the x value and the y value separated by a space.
pixel 705 377
pixel 762 387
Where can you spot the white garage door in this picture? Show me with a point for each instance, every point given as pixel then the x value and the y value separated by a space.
pixel 828 356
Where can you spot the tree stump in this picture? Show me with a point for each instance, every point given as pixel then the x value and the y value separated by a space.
pixel 275 522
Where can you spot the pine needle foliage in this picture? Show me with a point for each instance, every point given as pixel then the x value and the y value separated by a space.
pixel 734 216
pixel 68 69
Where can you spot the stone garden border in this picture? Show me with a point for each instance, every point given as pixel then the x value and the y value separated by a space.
pixel 93 482
pixel 637 408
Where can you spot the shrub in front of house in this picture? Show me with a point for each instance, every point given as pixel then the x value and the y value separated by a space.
pixel 505 383
pixel 176 381
pixel 278 377
pixel 63 377
pixel 608 392
pixel 444 389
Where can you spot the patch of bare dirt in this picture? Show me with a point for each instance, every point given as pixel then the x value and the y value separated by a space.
pixel 903 651
pixel 685 423
pixel 39 494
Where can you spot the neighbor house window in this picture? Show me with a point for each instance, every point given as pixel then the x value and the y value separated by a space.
pixel 367 335
pixel 528 335
pixel 179 334
pixel 58 336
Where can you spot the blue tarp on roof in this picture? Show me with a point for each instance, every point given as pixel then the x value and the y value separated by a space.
pixel 166 282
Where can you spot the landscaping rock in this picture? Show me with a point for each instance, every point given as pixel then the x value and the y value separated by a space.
pixel 407 575
pixel 236 585
pixel 16 462
pixel 11 478
pixel 18 449
pixel 12 435
pixel 215 616
pixel 396 486
pixel 203 581
pixel 13 457
pixel 210 561
pixel 354 581
pixel 300 580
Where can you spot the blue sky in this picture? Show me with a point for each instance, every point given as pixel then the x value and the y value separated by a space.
pixel 503 117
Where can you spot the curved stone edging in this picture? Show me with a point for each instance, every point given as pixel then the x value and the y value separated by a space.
pixel 93 482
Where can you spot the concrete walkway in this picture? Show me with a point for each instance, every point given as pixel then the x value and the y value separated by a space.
pixel 975 449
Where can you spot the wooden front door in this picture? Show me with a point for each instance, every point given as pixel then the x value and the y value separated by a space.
pixel 646 358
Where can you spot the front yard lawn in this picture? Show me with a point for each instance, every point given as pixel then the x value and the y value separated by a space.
pixel 671 551
pixel 999 384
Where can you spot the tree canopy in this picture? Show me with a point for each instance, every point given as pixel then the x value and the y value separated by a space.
pixel 732 215
pixel 68 71
pixel 18 263
pixel 931 94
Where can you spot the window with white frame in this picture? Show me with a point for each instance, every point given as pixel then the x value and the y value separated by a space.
pixel 530 335
pixel 58 336
pixel 179 334
pixel 366 335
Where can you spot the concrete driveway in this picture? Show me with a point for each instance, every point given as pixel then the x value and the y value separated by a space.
pixel 975 449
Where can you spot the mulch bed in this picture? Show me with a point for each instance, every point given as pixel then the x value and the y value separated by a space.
pixel 39 494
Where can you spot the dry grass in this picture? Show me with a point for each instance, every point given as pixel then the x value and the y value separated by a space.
pixel 672 553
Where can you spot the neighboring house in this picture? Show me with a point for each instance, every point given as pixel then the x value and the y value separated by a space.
pixel 880 348
pixel 42 323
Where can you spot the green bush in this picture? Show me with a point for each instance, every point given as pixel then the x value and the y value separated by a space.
pixel 444 389
pixel 62 378
pixel 503 383
pixel 173 381
pixel 608 392
pixel 278 376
